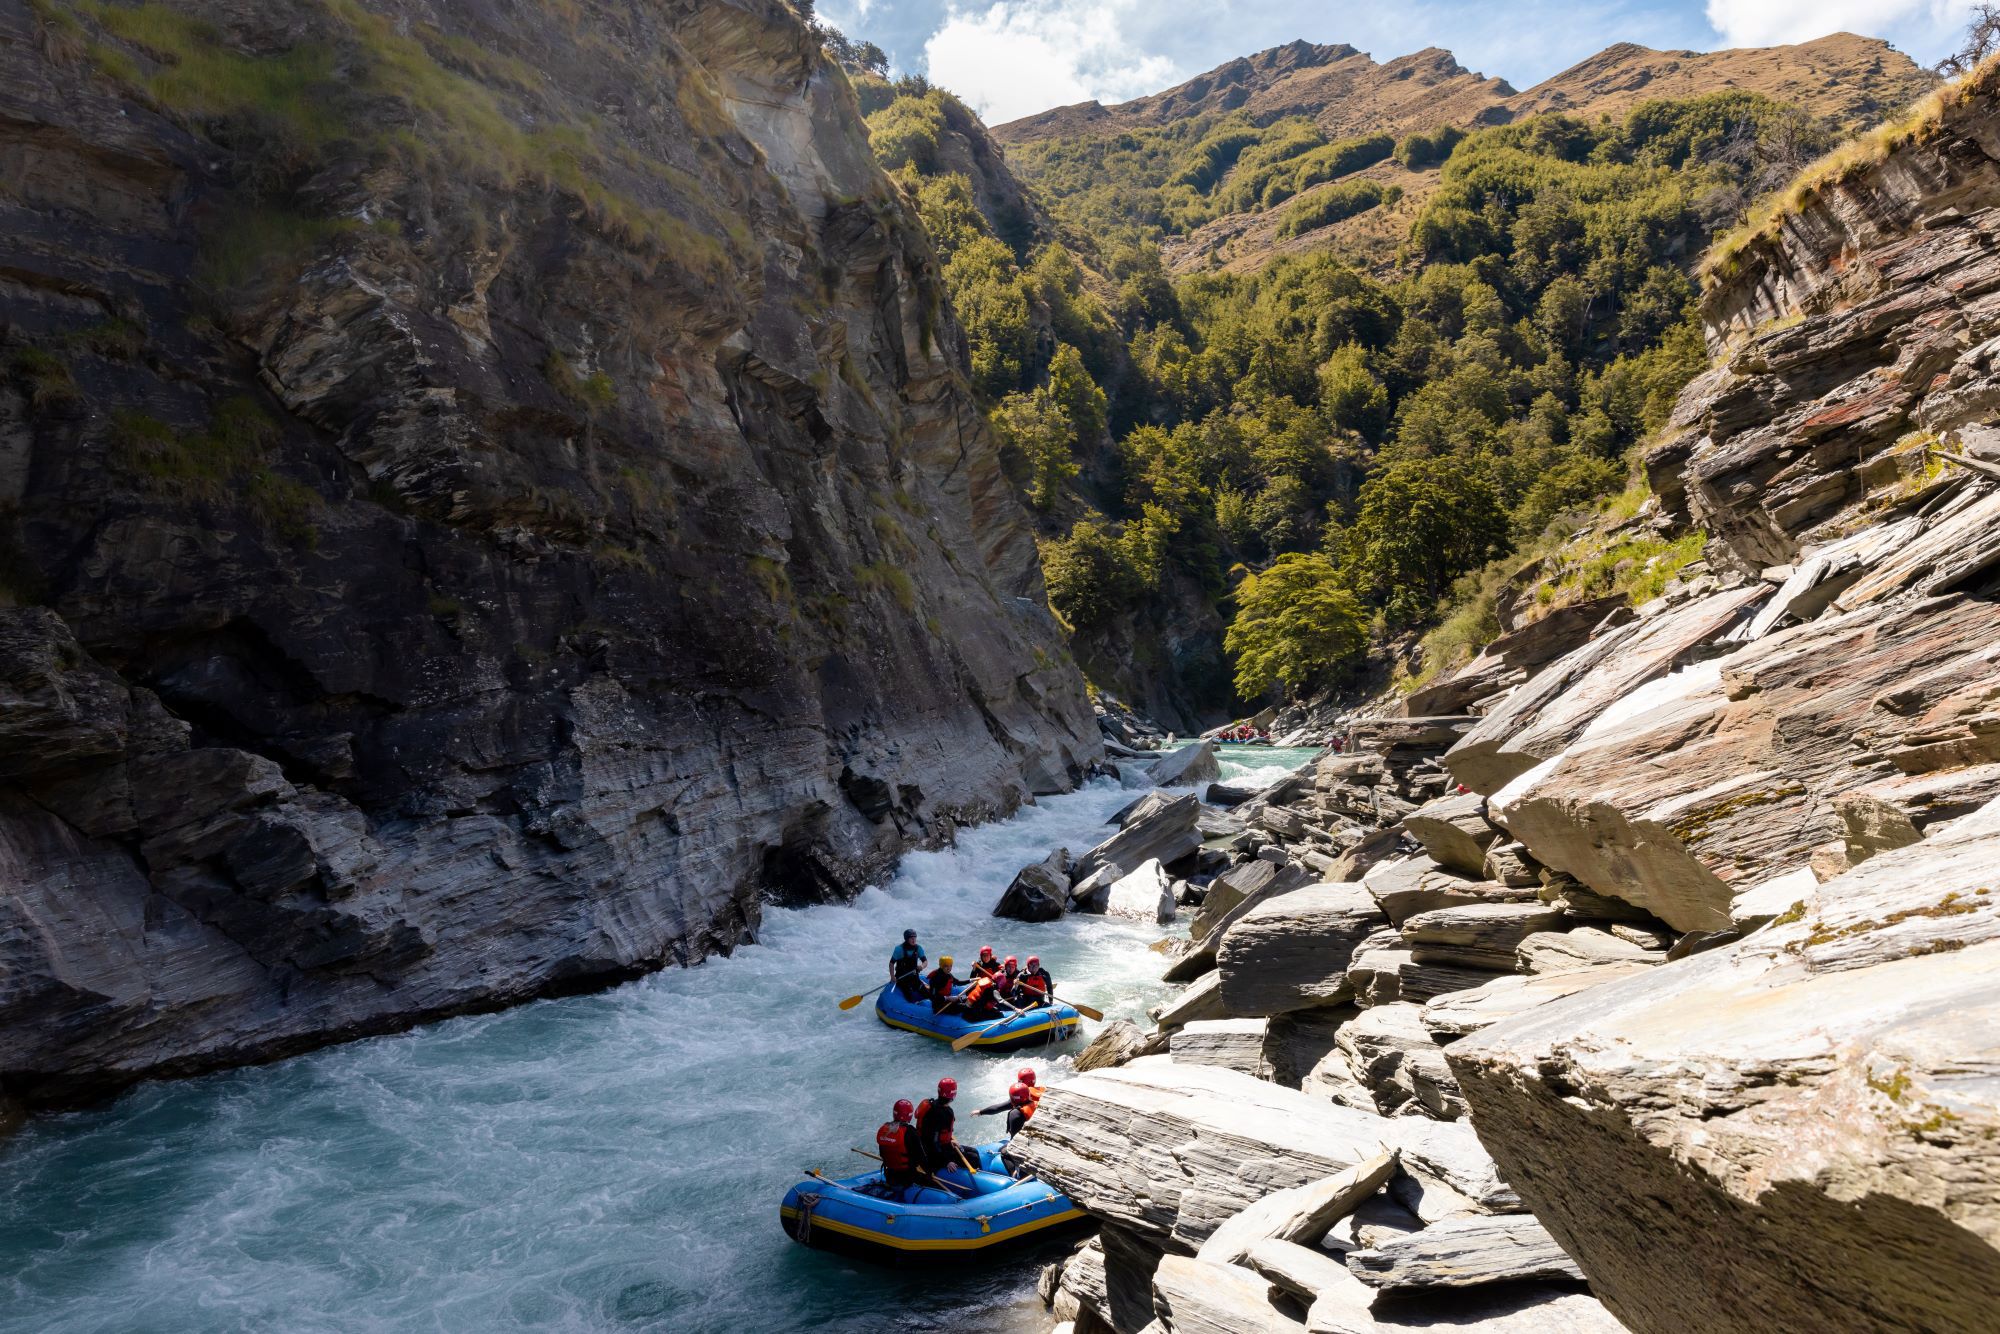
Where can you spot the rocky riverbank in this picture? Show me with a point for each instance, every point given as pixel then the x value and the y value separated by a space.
pixel 1657 984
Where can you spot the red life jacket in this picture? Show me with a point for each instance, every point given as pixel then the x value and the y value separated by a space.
pixel 894 1142
pixel 941 983
pixel 1037 982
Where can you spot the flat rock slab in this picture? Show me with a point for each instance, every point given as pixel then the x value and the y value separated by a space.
pixel 1804 1125
pixel 1413 885
pixel 1383 973
pixel 1172 1151
pixel 1202 1000
pixel 1478 935
pixel 1455 832
pixel 1302 1214
pixel 1193 1296
pixel 1292 952
pixel 1459 1013
pixel 1303 1271
pixel 1233 1044
pixel 1585 947
pixel 1465 1252
pixel 1763 744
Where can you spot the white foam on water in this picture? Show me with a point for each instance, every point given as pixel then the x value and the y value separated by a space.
pixel 606 1162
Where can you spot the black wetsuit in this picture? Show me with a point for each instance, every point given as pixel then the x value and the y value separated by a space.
pixel 906 963
pixel 934 1132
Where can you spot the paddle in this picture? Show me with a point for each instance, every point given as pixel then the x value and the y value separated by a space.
pixel 1085 1010
pixel 853 1001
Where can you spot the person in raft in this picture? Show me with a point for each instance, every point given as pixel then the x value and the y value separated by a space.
pixel 902 1153
pixel 985 965
pixel 1019 1106
pixel 1035 987
pixel 1010 979
pixel 982 998
pixel 935 1122
pixel 941 984
pixel 906 967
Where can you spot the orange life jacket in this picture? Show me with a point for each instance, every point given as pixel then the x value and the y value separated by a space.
pixel 977 991
pixel 1028 1108
pixel 893 1140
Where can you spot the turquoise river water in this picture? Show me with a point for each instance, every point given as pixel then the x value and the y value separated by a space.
pixel 596 1163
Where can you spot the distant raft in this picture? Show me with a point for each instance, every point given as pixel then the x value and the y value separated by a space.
pixel 863 1218
pixel 1040 1027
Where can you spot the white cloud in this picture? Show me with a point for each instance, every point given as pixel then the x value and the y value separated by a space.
pixel 1017 57
pixel 1772 22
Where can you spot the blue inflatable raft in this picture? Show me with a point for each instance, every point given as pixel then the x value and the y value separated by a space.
pixel 1040 1027
pixel 990 1213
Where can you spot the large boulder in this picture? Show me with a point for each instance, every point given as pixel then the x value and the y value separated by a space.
pixel 1459 1013
pixel 1163 832
pixel 1269 881
pixel 1291 952
pixel 1503 1308
pixel 1039 893
pixel 1466 1252
pixel 1171 1152
pixel 1147 895
pixel 1455 832
pixel 1803 1128
pixel 1392 1055
pixel 1117 1042
pixel 1188 765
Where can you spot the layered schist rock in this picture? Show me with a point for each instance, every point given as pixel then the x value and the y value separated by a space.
pixel 1793 1123
pixel 487 533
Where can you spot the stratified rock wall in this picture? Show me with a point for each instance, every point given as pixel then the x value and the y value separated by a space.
pixel 1796 1127
pixel 487 495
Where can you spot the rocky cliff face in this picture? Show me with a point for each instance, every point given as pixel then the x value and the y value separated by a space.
pixel 487 495
pixel 1799 762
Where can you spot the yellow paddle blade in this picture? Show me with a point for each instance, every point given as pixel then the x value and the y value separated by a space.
pixel 853 1001
pixel 1086 1011
pixel 962 1043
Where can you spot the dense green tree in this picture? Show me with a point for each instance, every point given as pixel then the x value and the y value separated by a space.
pixel 1423 523
pixel 1077 394
pixel 1297 625
pixel 1035 425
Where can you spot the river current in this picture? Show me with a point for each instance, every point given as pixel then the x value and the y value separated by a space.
pixel 595 1163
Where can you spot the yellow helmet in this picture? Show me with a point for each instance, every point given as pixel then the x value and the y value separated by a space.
pixel 944 961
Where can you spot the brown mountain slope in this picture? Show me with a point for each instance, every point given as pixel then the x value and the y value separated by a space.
pixel 1851 80
pixel 1341 88
pixel 1847 79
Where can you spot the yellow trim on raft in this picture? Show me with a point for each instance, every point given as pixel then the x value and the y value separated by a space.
pixel 1014 1036
pixel 935 1243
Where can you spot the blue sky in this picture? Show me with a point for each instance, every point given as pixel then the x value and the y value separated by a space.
pixel 1013 57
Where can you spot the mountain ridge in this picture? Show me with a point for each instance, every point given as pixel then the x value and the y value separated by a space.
pixel 1614 79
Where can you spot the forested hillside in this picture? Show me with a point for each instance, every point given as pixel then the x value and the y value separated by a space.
pixel 1316 451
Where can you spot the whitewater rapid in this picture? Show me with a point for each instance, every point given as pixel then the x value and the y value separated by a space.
pixel 596 1163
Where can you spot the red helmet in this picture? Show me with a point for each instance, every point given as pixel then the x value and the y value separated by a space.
pixel 985 951
pixel 947 1087
pixel 1012 962
pixel 1034 961
pixel 1018 1094
pixel 904 1109
pixel 1026 1074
